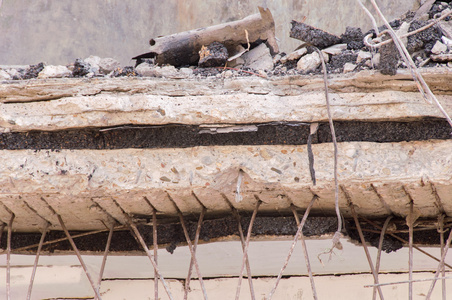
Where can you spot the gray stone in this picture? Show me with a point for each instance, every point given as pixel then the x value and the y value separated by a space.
pixel 94 62
pixel 362 55
pixel 446 28
pixel 145 70
pixel 309 62
pixel 148 70
pixel 108 65
pixel 259 58
pixel 54 72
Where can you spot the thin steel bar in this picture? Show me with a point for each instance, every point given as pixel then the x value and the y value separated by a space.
pixel 8 257
pixel 380 246
pixel 193 254
pixel 65 238
pixel 440 266
pixel 79 256
pixel 146 249
pixel 305 252
pixel 156 248
pixel 35 265
pixel 104 259
pixel 242 241
pixel 195 245
pixel 407 281
pixel 245 251
pixel 295 240
pixel 405 241
pixel 363 241
pixel 410 251
pixel 1 233
pixel 443 269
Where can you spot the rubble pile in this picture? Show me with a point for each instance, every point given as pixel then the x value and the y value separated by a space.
pixel 254 51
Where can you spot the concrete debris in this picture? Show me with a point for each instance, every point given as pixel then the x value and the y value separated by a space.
pixel 108 65
pixel 442 57
pixel 349 67
pixel 446 28
pixel 214 55
pixel 363 55
pixel 335 49
pixel 309 62
pixel 54 72
pixel 353 37
pixel 294 55
pixel 4 75
pixel 94 62
pixel 259 58
pixel 313 36
pixel 81 68
pixel 439 48
pixel 147 70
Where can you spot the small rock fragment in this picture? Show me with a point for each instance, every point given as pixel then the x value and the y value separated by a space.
pixel 186 72
pixel 389 58
pixel 294 55
pixel 147 70
pixel 94 62
pixel 126 71
pixel 313 36
pixel 446 28
pixel 349 67
pixel 363 55
pixel 335 49
pixel 441 57
pixel 214 55
pixel 353 37
pixel 81 68
pixel 309 62
pixel 54 72
pixel 4 75
pixel 439 48
pixel 424 39
pixel 259 58
pixel 107 65
pixel 33 71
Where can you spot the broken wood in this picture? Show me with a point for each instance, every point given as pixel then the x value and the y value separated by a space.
pixel 183 48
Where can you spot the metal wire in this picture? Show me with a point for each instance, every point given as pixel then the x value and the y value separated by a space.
pixel 35 265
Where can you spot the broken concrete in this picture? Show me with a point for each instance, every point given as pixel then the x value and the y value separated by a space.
pixel 313 36
pixel 258 58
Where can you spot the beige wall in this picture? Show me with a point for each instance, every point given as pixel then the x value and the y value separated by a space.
pixel 57 32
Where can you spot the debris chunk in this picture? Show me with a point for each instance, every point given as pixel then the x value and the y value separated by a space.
pixel 214 55
pixel 294 55
pixel 259 58
pixel 313 36
pixel 81 68
pixel 424 39
pixel 309 62
pixel 54 72
pixel 108 65
pixel 389 58
pixel 439 48
pixel 353 37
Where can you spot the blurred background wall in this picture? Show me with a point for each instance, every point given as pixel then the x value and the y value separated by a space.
pixel 59 31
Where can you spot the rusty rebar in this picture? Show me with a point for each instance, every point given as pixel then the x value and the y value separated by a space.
pixel 306 255
pixel 8 256
pixel 79 256
pixel 440 266
pixel 35 265
pixel 380 247
pixel 404 241
pixel 245 251
pixel 104 258
pixel 443 269
pixel 156 248
pixel 242 241
pixel 299 231
pixel 410 251
pixel 193 253
pixel 363 241
pixel 195 245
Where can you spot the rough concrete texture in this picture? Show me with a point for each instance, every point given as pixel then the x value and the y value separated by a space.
pixel 278 175
pixel 77 103
pixel 66 30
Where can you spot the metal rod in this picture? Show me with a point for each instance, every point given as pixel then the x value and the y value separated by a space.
pixel 245 251
pixel 8 257
pixel 380 246
pixel 156 248
pixel 242 241
pixel 35 265
pixel 407 281
pixel 410 251
pixel 79 256
pixel 195 245
pixel 104 259
pixel 146 249
pixel 405 241
pixel 443 269
pixel 65 238
pixel 363 241
pixel 299 231
pixel 193 253
pixel 306 256
pixel 1 233
pixel 440 266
